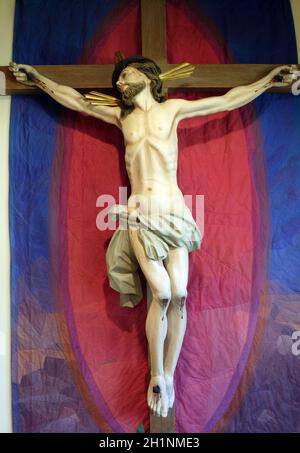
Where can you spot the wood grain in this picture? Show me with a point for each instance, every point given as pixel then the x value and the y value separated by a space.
pixel 154 38
pixel 206 77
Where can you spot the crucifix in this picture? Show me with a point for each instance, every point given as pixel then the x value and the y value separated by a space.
pixel 149 121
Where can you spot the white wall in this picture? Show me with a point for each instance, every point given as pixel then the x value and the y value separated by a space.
pixel 6 34
pixel 6 38
pixel 295 4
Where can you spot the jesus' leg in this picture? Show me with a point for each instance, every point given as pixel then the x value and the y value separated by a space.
pixel 177 264
pixel 156 324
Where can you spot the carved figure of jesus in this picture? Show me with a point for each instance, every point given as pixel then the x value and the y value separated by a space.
pixel 149 123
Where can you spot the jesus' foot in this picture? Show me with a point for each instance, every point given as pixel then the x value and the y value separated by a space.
pixel 170 389
pixel 157 396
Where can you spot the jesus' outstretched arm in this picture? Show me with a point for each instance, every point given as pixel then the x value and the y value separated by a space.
pixel 65 95
pixel 236 97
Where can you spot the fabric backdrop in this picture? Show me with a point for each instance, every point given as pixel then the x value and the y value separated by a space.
pixel 79 360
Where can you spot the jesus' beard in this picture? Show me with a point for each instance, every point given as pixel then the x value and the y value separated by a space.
pixel 132 90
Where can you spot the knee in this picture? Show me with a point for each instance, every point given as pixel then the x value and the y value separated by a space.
pixel 178 298
pixel 163 297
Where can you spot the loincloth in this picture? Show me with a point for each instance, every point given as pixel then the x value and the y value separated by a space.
pixel 157 233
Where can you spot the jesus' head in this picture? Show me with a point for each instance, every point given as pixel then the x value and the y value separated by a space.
pixel 133 78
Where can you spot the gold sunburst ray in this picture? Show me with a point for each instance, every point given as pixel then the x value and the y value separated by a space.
pixel 180 71
pixel 97 98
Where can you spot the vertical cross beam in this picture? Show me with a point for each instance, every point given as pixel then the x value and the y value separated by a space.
pixel 154 33
pixel 154 46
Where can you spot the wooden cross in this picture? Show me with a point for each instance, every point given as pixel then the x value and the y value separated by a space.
pixel 206 77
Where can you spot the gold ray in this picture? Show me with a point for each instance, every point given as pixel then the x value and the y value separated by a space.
pixel 101 95
pixel 97 98
pixel 180 71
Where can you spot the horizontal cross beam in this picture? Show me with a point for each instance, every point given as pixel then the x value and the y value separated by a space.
pixel 206 77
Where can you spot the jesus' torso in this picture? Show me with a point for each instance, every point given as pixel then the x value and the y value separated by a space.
pixel 151 158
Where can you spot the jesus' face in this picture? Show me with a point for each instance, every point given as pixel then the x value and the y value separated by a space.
pixel 131 82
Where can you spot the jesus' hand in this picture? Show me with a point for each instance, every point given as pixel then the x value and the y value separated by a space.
pixel 284 75
pixel 23 73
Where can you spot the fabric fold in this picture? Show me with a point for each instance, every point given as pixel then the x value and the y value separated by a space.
pixel 158 232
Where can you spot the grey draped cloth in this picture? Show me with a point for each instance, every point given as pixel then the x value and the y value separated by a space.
pixel 157 233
